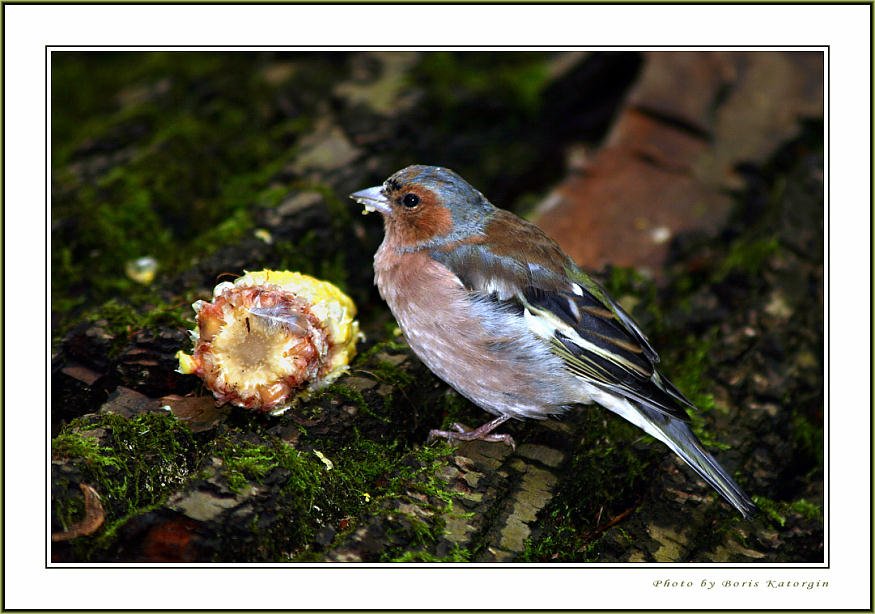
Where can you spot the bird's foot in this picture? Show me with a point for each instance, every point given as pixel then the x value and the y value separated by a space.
pixel 484 433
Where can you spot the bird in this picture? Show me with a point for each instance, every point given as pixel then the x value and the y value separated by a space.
pixel 498 311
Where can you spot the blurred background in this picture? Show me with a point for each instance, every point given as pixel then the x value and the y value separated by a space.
pixel 168 156
pixel 690 183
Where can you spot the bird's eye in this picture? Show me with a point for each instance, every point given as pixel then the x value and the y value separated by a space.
pixel 410 200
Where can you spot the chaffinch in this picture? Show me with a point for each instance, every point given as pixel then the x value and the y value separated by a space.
pixel 497 310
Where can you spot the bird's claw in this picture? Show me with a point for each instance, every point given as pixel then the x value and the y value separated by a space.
pixel 465 433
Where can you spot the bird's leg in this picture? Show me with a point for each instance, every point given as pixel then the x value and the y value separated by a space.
pixel 483 432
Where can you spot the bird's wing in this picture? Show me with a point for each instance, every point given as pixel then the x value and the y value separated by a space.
pixel 596 339
pixel 597 345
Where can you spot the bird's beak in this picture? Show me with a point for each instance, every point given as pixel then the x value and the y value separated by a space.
pixel 372 199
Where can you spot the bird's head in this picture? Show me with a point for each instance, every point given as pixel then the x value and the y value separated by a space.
pixel 425 206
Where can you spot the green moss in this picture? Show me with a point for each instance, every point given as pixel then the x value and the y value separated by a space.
pixel 125 319
pixel 609 475
pixel 161 154
pixel 245 462
pixel 121 320
pixel 68 510
pixel 690 366
pixel 357 399
pixel 620 281
pixel 747 257
pixel 808 510
pixel 306 495
pixel 430 459
pixel 559 538
pixel 414 530
pixel 774 510
pixel 624 535
pixel 455 555
pixel 778 511
pixel 452 78
pixel 234 226
pixel 387 475
pixel 363 465
pixel 808 438
pixel 134 464
pixel 410 529
pixel 388 373
pixel 75 445
pixel 386 346
pixel 150 454
pixel 364 474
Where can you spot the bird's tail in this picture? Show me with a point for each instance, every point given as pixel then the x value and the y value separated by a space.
pixel 678 436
